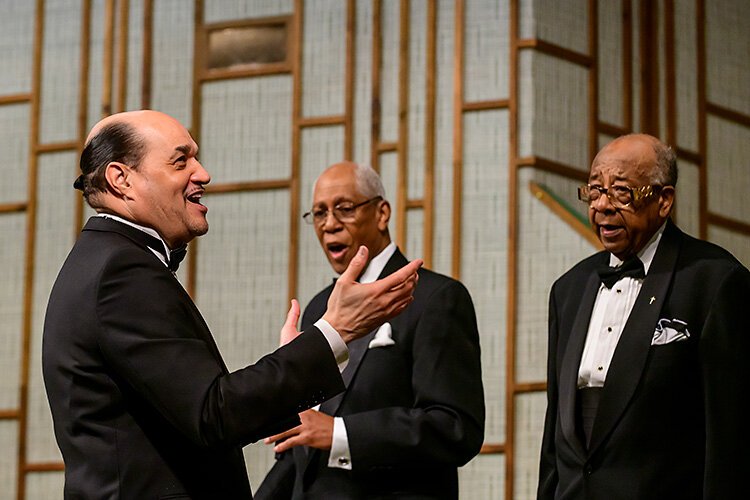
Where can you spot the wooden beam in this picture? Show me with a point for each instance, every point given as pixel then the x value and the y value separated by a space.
pixel 235 187
pixel 351 55
pixel 6 208
pixel 108 60
pixel 57 147
pixel 83 107
pixel 527 387
pixel 428 228
pixel 9 414
pixel 44 467
pixel 322 121
pixel 493 449
pixel 148 43
pixel 553 167
pixel 700 17
pixel 14 98
pixel 296 156
pixel 728 114
pixel 552 49
pixel 376 111
pixel 403 125
pixel 627 64
pixel 458 139
pixel 123 23
pixel 728 223
pixel 485 105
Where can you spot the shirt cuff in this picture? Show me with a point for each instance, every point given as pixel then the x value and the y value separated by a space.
pixel 340 458
pixel 338 346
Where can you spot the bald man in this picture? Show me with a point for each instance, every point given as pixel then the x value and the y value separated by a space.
pixel 142 403
pixel 413 410
pixel 648 348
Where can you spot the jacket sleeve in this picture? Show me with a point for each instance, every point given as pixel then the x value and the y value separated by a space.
pixel 725 347
pixel 162 355
pixel 445 424
pixel 548 467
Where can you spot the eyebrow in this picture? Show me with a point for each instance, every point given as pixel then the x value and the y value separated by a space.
pixel 185 149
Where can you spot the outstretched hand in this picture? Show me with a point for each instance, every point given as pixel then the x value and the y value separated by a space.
pixel 354 309
pixel 315 431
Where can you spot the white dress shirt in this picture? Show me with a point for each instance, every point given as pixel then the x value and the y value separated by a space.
pixel 611 311
pixel 340 456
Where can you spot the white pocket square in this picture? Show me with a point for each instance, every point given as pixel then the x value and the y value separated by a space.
pixel 383 337
pixel 670 330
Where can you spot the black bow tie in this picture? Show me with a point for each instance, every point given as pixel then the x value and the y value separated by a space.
pixel 633 268
pixel 176 256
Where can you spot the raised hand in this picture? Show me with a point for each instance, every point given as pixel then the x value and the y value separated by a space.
pixel 354 309
pixel 289 330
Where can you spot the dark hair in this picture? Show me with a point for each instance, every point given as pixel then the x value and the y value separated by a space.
pixel 115 142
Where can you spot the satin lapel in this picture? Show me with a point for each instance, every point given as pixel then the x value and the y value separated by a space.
pixel 568 383
pixel 632 350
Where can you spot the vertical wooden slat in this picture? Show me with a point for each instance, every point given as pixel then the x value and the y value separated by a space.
pixel 627 64
pixel 593 77
pixel 403 124
pixel 83 104
pixel 148 41
pixel 30 249
pixel 649 64
pixel 458 138
pixel 510 322
pixel 351 51
pixel 429 156
pixel 122 56
pixel 377 49
pixel 108 61
pixel 294 194
pixel 700 20
pixel 195 125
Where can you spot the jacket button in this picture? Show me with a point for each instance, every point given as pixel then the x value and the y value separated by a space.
pixel 588 470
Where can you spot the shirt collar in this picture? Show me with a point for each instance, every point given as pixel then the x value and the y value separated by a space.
pixel 377 264
pixel 147 230
pixel 646 254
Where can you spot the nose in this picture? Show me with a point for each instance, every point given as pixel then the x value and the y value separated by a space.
pixel 602 204
pixel 330 223
pixel 200 174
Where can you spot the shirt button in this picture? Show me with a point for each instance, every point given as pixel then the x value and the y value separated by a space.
pixel 619 291
pixel 600 368
pixel 343 461
pixel 609 328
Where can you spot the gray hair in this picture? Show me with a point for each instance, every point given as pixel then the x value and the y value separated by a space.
pixel 665 173
pixel 368 181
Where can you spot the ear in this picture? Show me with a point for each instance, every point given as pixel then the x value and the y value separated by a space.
pixel 118 178
pixel 383 215
pixel 666 201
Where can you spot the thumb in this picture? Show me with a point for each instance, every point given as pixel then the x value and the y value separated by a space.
pixel 293 315
pixel 356 265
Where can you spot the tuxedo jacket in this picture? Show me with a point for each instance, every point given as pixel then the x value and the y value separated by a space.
pixel 142 403
pixel 670 421
pixel 413 411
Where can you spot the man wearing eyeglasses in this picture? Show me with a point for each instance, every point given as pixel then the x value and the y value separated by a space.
pixel 413 410
pixel 648 346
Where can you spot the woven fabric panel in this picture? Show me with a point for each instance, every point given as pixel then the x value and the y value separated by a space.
pixel 484 249
pixel 390 71
pixel 242 271
pixel 609 62
pixel 172 59
pixel 16 46
pixel 727 50
pixel 228 10
pixel 728 169
pixel 320 147
pixel 60 75
pixel 246 129
pixel 324 58
pixel 44 485
pixel 363 82
pixel 556 105
pixel 443 191
pixel 14 143
pixel 9 459
pixel 486 49
pixel 738 244
pixel 12 253
pixel 417 98
pixel 547 247
pixel 687 210
pixel 96 70
pixel 135 56
pixel 529 414
pixel 483 478
pixel 54 239
pixel 563 22
pixel 686 71
pixel 415 233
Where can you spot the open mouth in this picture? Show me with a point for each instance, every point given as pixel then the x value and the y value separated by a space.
pixel 336 250
pixel 195 197
pixel 607 230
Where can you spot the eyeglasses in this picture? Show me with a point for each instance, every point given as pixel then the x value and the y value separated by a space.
pixel 619 196
pixel 343 212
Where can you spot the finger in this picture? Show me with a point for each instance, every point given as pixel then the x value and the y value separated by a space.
pixel 402 275
pixel 283 435
pixel 285 445
pixel 356 266
pixel 293 315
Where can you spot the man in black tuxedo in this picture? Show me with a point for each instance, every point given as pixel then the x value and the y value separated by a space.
pixel 142 403
pixel 413 410
pixel 648 348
